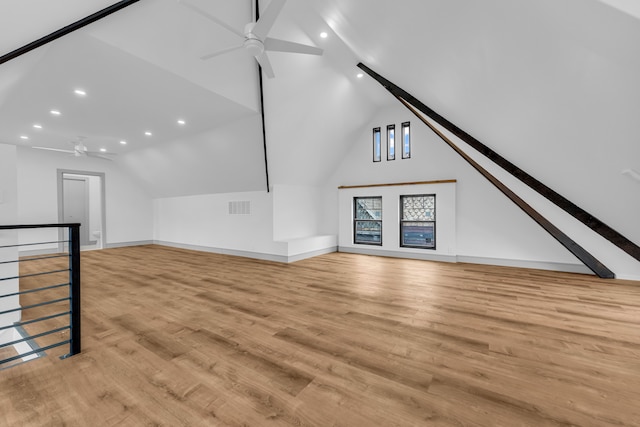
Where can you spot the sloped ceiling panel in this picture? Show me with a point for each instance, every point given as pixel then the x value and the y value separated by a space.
pixel 223 160
pixel 23 21
pixel 126 96
pixel 550 85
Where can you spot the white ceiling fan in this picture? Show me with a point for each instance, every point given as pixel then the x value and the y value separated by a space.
pixel 80 150
pixel 255 37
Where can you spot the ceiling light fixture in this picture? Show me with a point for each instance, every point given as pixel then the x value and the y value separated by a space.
pixel 360 75
pixel 123 142
pixel 55 112
pixel 80 92
pixel 181 122
pixel 37 126
pixel 104 150
pixel 324 35
pixel 24 137
pixel 147 133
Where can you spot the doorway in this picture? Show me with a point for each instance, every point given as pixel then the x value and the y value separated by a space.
pixel 81 199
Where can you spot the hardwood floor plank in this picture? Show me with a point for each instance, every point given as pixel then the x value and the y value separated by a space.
pixel 174 337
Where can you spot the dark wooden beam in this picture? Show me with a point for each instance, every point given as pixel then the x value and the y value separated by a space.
pixel 66 30
pixel 264 130
pixel 572 209
pixel 589 260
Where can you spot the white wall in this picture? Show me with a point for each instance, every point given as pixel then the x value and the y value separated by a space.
pixel 8 216
pixel 488 227
pixel 95 207
pixel 296 211
pixel 129 209
pixel 204 222
pixel 445 221
pixel 282 224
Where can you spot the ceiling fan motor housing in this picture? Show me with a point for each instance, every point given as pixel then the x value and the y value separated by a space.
pixel 252 43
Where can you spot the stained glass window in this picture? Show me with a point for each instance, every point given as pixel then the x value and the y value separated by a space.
pixel 406 140
pixel 367 220
pixel 377 145
pixel 418 221
pixel 391 142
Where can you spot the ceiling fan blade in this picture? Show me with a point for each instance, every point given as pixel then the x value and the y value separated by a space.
pixel 212 18
pixel 99 156
pixel 264 62
pixel 287 46
pixel 55 149
pixel 220 52
pixel 99 153
pixel 268 18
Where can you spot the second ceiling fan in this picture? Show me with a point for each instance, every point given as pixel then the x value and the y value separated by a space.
pixel 255 37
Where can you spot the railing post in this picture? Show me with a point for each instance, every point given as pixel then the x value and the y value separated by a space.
pixel 74 264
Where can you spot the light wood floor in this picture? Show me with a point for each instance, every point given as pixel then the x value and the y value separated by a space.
pixel 180 338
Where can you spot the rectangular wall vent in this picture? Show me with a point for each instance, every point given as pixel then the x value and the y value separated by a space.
pixel 240 208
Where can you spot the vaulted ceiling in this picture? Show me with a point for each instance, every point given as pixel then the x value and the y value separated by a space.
pixel 540 82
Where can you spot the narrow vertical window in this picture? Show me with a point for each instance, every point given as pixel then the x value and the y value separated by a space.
pixel 418 221
pixel 391 142
pixel 377 145
pixel 367 220
pixel 406 141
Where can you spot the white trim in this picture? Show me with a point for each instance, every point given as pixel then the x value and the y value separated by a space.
pixel 127 244
pixel 247 254
pixel 521 263
pixel 536 265
pixel 426 256
pixel 324 251
pixel 223 251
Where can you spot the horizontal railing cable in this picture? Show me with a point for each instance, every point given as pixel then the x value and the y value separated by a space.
pixel 34 274
pixel 35 259
pixel 34 244
pixel 30 322
pixel 39 350
pixel 43 334
pixel 40 304
pixel 30 291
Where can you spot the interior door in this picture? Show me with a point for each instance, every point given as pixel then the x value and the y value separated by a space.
pixel 75 205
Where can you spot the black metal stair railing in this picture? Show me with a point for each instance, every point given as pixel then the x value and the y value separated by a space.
pixel 40 305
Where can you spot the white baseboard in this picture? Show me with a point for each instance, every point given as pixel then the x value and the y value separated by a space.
pixel 224 251
pixel 300 257
pixel 536 265
pixel 427 256
pixel 248 254
pixel 128 244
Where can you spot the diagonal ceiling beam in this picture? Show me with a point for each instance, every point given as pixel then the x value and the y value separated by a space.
pixel 572 209
pixel 410 102
pixel 66 30
pixel 264 130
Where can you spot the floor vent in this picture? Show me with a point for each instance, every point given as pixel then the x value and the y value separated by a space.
pixel 240 208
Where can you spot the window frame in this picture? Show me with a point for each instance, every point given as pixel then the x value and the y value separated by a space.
pixel 406 153
pixel 377 144
pixel 402 221
pixel 356 220
pixel 391 142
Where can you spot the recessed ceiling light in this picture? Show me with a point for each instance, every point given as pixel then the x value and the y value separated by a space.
pixel 37 126
pixel 123 142
pixel 80 92
pixel 104 150
pixel 324 35
pixel 55 112
pixel 147 133
pixel 360 75
pixel 24 137
pixel 181 122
